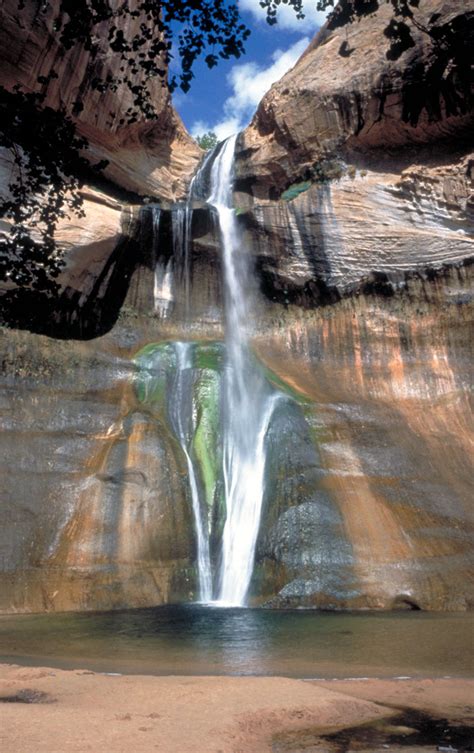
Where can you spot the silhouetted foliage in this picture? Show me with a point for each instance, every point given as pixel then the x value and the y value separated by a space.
pixel 44 145
pixel 46 168
pixel 147 35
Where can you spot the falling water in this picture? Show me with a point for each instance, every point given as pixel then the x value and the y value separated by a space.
pixel 181 219
pixel 181 401
pixel 181 419
pixel 163 272
pixel 249 404
pixel 248 401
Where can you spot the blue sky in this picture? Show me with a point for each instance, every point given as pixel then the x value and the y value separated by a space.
pixel 224 98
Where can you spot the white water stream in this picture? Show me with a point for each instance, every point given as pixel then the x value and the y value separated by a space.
pixel 163 294
pixel 181 218
pixel 181 402
pixel 249 404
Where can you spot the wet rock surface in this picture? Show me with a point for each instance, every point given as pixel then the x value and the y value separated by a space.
pixel 387 389
pixel 363 321
pixel 94 493
pixel 367 501
pixel 410 730
pixel 27 695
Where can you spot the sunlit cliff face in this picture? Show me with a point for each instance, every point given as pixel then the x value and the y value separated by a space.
pixel 388 384
pixel 367 488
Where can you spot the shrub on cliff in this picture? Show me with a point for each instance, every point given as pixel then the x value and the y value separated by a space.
pixel 207 141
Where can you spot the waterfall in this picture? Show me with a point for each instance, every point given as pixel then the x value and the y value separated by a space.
pixel 181 399
pixel 181 418
pixel 163 273
pixel 181 220
pixel 248 401
pixel 249 404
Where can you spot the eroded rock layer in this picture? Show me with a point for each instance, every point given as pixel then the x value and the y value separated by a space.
pixel 367 500
pixel 371 229
pixel 363 320
pixel 149 157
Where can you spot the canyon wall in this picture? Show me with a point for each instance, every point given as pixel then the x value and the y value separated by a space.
pixel 358 210
pixel 368 492
pixel 355 191
pixel 370 505
pixel 148 157
pixel 373 154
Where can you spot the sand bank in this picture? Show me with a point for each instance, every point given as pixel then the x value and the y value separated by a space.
pixel 56 711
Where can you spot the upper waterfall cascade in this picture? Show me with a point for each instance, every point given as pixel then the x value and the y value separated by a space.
pixel 163 271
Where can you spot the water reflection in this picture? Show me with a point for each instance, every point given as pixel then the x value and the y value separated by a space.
pixel 246 646
pixel 197 639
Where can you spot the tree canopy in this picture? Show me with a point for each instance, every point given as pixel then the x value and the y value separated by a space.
pixel 146 36
pixel 207 140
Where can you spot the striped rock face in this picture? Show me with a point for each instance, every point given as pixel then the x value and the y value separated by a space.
pixel 154 157
pixel 355 209
pixel 367 473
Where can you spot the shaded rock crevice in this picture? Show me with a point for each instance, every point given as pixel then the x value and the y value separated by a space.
pixel 90 297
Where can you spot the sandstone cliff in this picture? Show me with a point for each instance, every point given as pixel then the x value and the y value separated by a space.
pixel 355 181
pixel 153 158
pixel 347 96
pixel 377 153
pixel 363 319
pixel 150 157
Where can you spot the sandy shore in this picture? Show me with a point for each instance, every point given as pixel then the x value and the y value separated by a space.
pixel 78 711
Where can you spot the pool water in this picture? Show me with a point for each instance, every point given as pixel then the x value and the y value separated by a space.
pixel 195 639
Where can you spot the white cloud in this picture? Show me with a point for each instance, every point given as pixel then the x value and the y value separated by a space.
pixel 222 129
pixel 287 17
pixel 249 82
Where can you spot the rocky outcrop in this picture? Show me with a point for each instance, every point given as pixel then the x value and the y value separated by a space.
pixel 99 250
pixel 150 157
pixel 366 231
pixel 356 169
pixel 350 95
